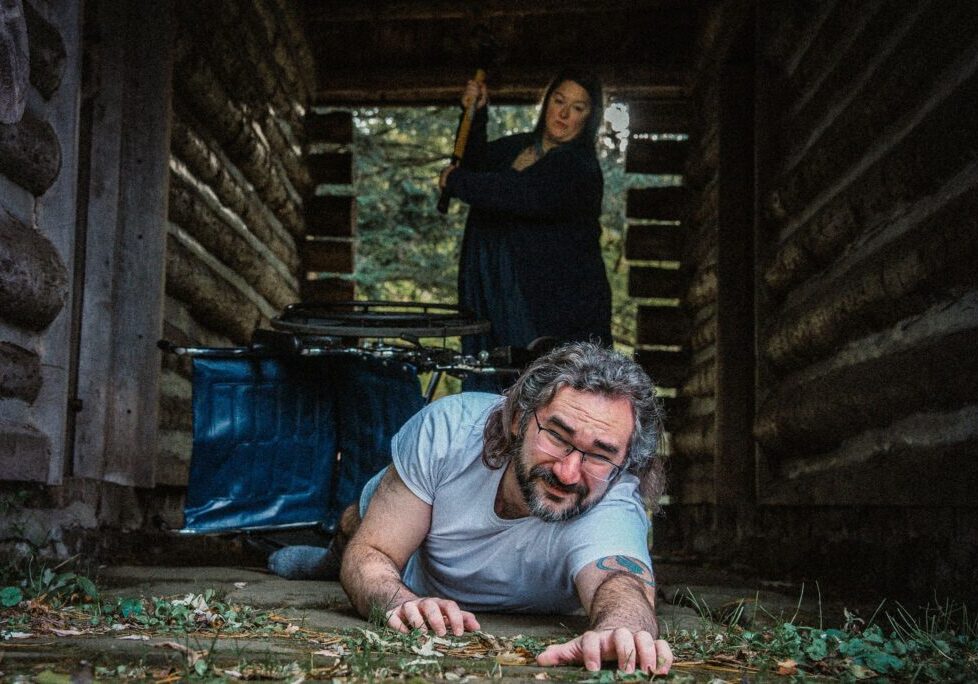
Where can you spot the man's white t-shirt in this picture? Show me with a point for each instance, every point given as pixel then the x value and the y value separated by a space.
pixel 482 561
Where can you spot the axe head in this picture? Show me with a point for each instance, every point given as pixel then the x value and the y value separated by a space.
pixel 485 47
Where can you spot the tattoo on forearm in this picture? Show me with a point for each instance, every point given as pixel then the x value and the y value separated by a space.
pixel 626 564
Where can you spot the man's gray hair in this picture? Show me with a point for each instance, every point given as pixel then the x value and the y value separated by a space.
pixel 585 367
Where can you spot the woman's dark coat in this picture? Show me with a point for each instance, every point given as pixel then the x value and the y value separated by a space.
pixel 531 256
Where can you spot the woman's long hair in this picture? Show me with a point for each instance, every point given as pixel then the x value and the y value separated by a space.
pixel 590 83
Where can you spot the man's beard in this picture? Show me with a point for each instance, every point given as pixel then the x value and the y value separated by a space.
pixel 537 502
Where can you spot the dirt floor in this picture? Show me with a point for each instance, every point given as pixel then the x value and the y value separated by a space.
pixel 317 621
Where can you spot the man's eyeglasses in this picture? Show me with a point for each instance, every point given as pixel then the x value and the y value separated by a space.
pixel 595 465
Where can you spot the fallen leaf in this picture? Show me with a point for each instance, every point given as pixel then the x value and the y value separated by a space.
pixel 374 638
pixel 192 655
pixel 329 653
pixel 134 637
pixel 17 635
pixel 427 648
pixel 541 675
pixel 292 629
pixel 67 632
pixel 241 585
pixel 510 658
pixel 787 668
pixel 49 677
pixel 860 672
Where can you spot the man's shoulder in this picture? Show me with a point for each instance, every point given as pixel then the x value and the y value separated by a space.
pixel 447 418
pixel 465 404
pixel 623 501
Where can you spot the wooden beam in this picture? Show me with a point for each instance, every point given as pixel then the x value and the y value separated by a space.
pixel 333 127
pixel 327 256
pixel 343 11
pixel 666 368
pixel 734 459
pixel 662 157
pixel 648 281
pixel 125 244
pixel 204 160
pixel 653 243
pixel 331 216
pixel 659 116
pixel 393 85
pixel 702 380
pixel 664 204
pixel 327 290
pixel 662 325
pixel 331 168
pixel 883 467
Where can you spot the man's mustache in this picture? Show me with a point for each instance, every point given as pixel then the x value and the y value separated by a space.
pixel 550 479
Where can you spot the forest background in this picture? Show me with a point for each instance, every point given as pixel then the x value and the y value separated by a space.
pixel 407 251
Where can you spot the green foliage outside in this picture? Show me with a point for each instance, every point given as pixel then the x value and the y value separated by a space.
pixel 407 251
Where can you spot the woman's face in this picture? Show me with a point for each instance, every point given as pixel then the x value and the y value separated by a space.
pixel 568 109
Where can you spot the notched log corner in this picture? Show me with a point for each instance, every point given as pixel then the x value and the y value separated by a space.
pixel 30 154
pixel 20 373
pixel 33 278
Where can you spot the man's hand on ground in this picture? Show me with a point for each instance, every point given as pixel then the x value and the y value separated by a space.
pixel 440 615
pixel 630 649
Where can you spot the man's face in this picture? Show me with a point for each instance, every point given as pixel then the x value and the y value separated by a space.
pixel 556 487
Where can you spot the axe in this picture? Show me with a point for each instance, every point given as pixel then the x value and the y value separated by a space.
pixel 487 49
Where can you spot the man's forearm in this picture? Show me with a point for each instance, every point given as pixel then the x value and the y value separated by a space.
pixel 624 600
pixel 370 578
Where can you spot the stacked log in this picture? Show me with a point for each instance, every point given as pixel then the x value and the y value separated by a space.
pixel 209 164
pixel 208 295
pixel 14 63
pixel 30 153
pixel 47 53
pixel 33 278
pixel 241 139
pixel 20 373
pixel 223 235
pixel 243 77
pixel 870 279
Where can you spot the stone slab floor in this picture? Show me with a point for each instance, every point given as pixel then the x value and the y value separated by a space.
pixel 322 607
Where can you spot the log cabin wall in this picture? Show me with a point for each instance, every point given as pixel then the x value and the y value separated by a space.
pixel 864 312
pixel 82 189
pixel 238 188
pixel 38 163
pixel 132 210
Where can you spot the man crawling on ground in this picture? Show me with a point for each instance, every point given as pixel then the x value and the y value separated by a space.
pixel 527 502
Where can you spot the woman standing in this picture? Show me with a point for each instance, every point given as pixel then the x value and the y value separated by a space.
pixel 531 256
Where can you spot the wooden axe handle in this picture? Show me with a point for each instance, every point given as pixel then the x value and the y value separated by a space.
pixel 461 138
